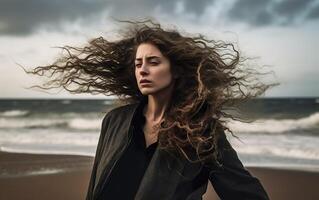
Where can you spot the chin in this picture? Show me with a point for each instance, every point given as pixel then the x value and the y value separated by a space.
pixel 147 91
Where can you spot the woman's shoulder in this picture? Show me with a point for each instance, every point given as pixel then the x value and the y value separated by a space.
pixel 117 116
pixel 121 110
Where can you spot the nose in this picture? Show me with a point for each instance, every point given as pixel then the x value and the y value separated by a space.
pixel 144 69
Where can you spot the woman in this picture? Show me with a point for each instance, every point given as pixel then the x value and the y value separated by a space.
pixel 168 140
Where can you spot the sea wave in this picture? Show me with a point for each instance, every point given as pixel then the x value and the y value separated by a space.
pixel 49 141
pixel 305 153
pixel 14 113
pixel 47 123
pixel 277 126
pixel 278 145
pixel 84 124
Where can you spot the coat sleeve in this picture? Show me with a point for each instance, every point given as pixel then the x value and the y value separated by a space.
pixel 232 180
pixel 105 122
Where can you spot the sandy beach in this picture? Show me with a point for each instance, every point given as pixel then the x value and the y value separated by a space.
pixel 40 176
pixel 53 177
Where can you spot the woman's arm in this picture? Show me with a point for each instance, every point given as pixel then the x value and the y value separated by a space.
pixel 232 180
pixel 105 122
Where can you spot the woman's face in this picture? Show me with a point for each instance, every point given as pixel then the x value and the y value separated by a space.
pixel 152 66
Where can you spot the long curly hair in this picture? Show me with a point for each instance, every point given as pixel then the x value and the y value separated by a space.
pixel 212 78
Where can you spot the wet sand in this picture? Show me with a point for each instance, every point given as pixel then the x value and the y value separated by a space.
pixel 55 177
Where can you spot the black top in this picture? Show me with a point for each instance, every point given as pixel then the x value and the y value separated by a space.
pixel 129 171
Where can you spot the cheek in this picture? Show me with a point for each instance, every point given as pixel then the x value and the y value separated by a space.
pixel 163 76
pixel 136 74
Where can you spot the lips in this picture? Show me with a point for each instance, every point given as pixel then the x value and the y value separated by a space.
pixel 145 81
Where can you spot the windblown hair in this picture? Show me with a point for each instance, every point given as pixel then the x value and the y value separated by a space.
pixel 212 76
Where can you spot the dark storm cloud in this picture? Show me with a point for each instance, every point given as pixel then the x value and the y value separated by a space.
pixel 139 8
pixel 253 12
pixel 269 12
pixel 314 13
pixel 197 7
pixel 21 17
pixel 290 8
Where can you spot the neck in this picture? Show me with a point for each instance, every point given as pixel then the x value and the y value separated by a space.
pixel 157 104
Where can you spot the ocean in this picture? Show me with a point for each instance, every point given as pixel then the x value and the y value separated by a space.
pixel 285 132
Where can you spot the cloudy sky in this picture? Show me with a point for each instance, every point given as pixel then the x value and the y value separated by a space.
pixel 283 34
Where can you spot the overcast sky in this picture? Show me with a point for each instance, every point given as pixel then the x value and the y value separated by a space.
pixel 282 33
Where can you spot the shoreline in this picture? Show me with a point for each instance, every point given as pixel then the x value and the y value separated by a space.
pixel 67 176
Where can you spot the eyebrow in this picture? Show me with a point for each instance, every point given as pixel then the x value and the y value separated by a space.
pixel 147 58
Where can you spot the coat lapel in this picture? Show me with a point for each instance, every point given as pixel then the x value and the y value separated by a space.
pixel 160 179
pixel 164 174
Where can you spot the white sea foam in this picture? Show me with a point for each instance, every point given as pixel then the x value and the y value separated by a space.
pixel 32 172
pixel 48 138
pixel 37 141
pixel 292 146
pixel 17 149
pixel 30 123
pixel 85 124
pixel 45 123
pixel 306 153
pixel 276 126
pixel 14 113
pixel 108 102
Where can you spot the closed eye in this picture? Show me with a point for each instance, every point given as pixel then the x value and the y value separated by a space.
pixel 152 63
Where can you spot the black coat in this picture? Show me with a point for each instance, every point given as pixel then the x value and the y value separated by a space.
pixel 167 178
